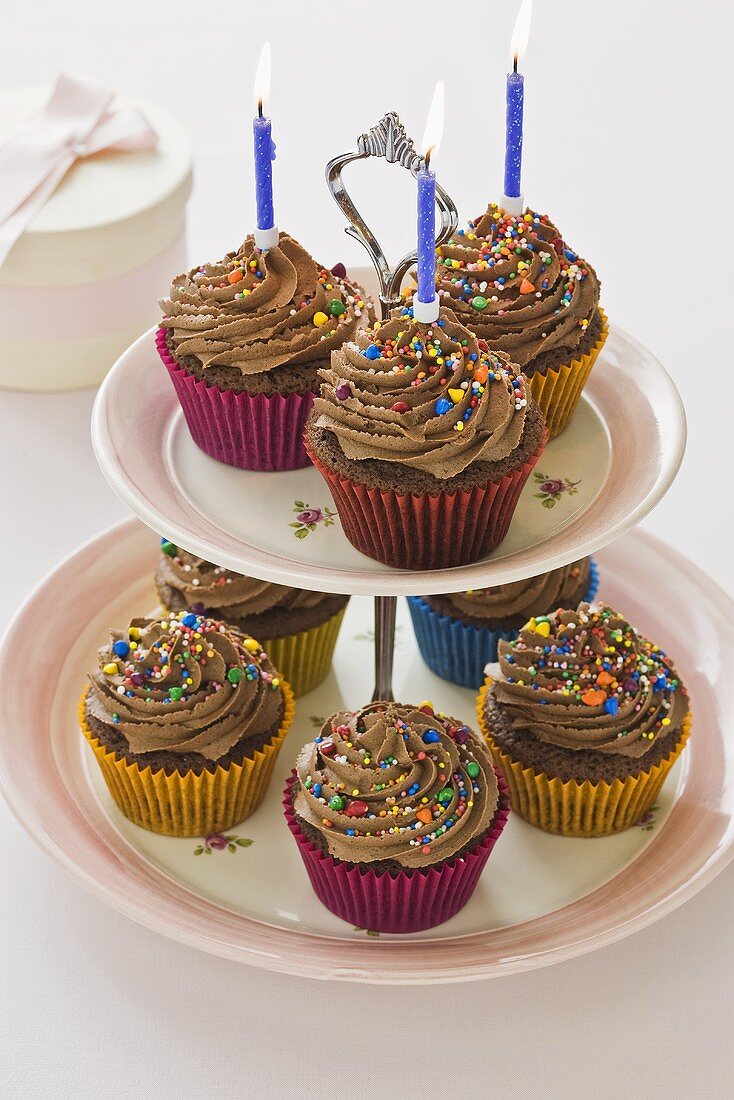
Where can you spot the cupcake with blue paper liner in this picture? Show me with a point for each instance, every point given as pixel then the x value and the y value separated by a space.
pixel 585 717
pixel 458 632
pixel 242 340
pixel 185 716
pixel 297 627
pixel 425 438
pixel 395 810
pixel 518 285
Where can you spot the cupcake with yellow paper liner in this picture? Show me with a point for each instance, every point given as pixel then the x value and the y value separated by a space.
pixel 585 718
pixel 298 628
pixel 516 283
pixel 185 716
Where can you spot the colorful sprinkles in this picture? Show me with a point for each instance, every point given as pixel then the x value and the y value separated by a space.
pixel 593 659
pixel 162 672
pixel 498 253
pixel 420 796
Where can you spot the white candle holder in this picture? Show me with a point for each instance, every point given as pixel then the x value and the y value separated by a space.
pixel 426 312
pixel 266 238
pixel 513 204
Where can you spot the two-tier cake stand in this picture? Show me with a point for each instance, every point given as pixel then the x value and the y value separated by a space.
pixel 245 896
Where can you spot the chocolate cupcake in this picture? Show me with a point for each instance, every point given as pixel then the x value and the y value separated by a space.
pixel 185 717
pixel 458 632
pixel 517 284
pixel 243 340
pixel 586 718
pixel 395 810
pixel 425 438
pixel 298 628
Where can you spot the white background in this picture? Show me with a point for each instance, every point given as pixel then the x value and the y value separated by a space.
pixel 628 147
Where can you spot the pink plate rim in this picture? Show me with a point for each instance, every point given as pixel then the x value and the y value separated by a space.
pixel 57 807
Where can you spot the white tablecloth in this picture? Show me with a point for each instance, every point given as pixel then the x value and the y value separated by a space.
pixel 627 146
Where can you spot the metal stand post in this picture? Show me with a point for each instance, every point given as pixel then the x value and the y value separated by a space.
pixel 385 609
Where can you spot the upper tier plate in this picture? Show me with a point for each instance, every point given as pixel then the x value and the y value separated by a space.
pixel 598 479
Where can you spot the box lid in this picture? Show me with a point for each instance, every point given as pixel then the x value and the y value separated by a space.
pixel 112 211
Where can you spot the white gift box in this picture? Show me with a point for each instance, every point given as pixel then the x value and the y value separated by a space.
pixel 84 279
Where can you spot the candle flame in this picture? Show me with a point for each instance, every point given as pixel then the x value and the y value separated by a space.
pixel 434 123
pixel 521 32
pixel 261 87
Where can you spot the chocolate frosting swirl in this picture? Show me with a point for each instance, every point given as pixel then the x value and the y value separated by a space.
pixel 184 684
pixel 587 680
pixel 517 284
pixel 211 588
pixel 427 396
pixel 503 601
pixel 396 782
pixel 257 310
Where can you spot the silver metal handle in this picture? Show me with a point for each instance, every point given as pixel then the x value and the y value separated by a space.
pixel 388 140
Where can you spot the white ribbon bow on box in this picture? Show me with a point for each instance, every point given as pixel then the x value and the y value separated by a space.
pixel 76 122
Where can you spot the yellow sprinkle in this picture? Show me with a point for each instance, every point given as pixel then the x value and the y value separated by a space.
pixel 110 669
pixel 251 645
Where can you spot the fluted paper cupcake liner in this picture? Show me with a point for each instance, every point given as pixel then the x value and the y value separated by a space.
pixel 305 659
pixel 189 804
pixel 425 531
pixel 580 809
pixel 251 431
pixel 383 902
pixel 458 651
pixel 557 391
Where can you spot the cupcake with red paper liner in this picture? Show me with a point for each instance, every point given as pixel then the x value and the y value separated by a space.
pixel 185 716
pixel 395 810
pixel 458 632
pixel 243 340
pixel 517 284
pixel 425 438
pixel 297 627
pixel 586 717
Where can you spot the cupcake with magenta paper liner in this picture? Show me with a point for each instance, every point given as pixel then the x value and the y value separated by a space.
pixel 395 810
pixel 585 717
pixel 185 716
pixel 458 632
pixel 297 628
pixel 425 438
pixel 243 340
pixel 515 282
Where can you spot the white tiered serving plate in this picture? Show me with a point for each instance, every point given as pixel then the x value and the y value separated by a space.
pixel 541 898
pixel 607 470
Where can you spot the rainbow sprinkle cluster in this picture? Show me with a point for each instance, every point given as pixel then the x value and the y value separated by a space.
pixel 160 674
pixel 396 357
pixel 595 658
pixel 399 803
pixel 511 237
pixel 249 271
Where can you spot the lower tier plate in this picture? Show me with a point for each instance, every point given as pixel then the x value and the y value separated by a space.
pixel 246 896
